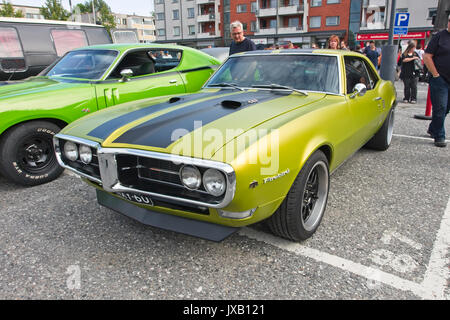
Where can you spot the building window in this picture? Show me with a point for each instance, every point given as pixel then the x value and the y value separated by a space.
pixel 333 1
pixel 253 26
pixel 293 22
pixel 191 30
pixel 273 24
pixel 191 13
pixel 314 22
pixel 161 32
pixel 253 6
pixel 316 3
pixel 176 14
pixel 332 21
pixel 160 16
pixel 241 8
pixel 176 31
pixel 159 1
pixel 244 26
pixel 431 13
pixel 174 1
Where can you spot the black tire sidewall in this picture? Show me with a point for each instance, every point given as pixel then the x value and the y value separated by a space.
pixel 11 166
pixel 295 198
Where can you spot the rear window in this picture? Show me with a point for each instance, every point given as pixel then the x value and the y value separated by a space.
pixel 10 44
pixel 66 40
pixel 124 37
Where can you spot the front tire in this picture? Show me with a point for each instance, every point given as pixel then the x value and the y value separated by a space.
pixel 382 139
pixel 301 212
pixel 27 156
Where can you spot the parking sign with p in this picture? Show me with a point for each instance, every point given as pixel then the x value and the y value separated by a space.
pixel 401 19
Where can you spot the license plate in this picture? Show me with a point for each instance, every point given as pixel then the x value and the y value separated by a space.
pixel 138 198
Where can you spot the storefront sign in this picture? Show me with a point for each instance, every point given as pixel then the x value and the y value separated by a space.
pixel 385 36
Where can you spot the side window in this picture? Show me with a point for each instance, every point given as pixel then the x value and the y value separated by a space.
pixel 66 40
pixel 356 72
pixel 11 53
pixel 373 78
pixel 140 62
pixel 166 59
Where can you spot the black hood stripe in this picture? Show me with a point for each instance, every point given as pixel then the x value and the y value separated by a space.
pixel 103 131
pixel 157 132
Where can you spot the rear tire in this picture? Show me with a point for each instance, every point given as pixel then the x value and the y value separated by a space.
pixel 27 156
pixel 301 212
pixel 382 139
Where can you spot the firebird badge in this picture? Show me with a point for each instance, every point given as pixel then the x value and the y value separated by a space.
pixel 86 110
pixel 281 174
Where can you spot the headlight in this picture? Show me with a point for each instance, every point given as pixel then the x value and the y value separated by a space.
pixel 214 182
pixel 85 154
pixel 71 151
pixel 191 177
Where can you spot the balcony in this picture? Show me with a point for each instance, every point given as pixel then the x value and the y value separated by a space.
pixel 290 10
pixel 206 17
pixel 290 30
pixel 264 32
pixel 204 1
pixel 207 35
pixel 268 12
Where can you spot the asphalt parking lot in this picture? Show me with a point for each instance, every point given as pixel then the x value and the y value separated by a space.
pixel 385 235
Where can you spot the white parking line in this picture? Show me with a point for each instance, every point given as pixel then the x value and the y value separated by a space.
pixel 438 271
pixel 436 276
pixel 369 273
pixel 414 137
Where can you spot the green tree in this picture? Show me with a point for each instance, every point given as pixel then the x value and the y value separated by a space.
pixel 103 13
pixel 53 10
pixel 7 10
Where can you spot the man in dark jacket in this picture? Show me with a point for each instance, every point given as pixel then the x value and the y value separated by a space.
pixel 240 43
pixel 437 57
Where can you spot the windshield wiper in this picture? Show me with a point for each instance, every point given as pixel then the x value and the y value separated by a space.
pixel 278 86
pixel 225 84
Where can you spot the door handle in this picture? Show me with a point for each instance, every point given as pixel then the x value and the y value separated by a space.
pixel 377 99
pixel 172 81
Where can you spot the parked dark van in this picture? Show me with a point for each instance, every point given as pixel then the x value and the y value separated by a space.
pixel 27 46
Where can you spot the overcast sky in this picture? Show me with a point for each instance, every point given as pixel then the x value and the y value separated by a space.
pixel 139 7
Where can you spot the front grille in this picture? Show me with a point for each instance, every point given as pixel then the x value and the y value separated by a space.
pixel 159 176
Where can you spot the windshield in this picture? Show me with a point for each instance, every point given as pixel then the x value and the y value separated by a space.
pixel 302 72
pixel 83 64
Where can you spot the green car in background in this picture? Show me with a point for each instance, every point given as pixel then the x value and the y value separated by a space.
pixel 84 81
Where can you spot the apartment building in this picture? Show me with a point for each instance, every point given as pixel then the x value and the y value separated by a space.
pixel 29 12
pixel 143 26
pixel 375 20
pixel 193 23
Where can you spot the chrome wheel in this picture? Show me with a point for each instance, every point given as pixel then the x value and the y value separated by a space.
pixel 314 196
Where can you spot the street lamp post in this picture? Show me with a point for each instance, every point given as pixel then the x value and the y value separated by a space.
pixel 389 51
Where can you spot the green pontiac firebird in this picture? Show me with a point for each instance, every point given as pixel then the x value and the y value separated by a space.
pixel 83 81
pixel 258 142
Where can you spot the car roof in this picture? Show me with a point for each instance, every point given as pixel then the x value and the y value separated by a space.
pixel 127 46
pixel 298 51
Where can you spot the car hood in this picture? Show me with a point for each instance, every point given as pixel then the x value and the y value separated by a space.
pixel 32 86
pixel 161 124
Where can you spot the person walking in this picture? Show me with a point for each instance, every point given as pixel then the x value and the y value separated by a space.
pixel 240 43
pixel 437 58
pixel 408 74
pixel 372 53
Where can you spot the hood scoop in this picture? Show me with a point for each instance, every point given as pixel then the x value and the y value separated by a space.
pixel 174 99
pixel 234 104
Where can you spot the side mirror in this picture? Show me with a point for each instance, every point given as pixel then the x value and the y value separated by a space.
pixel 359 89
pixel 126 74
